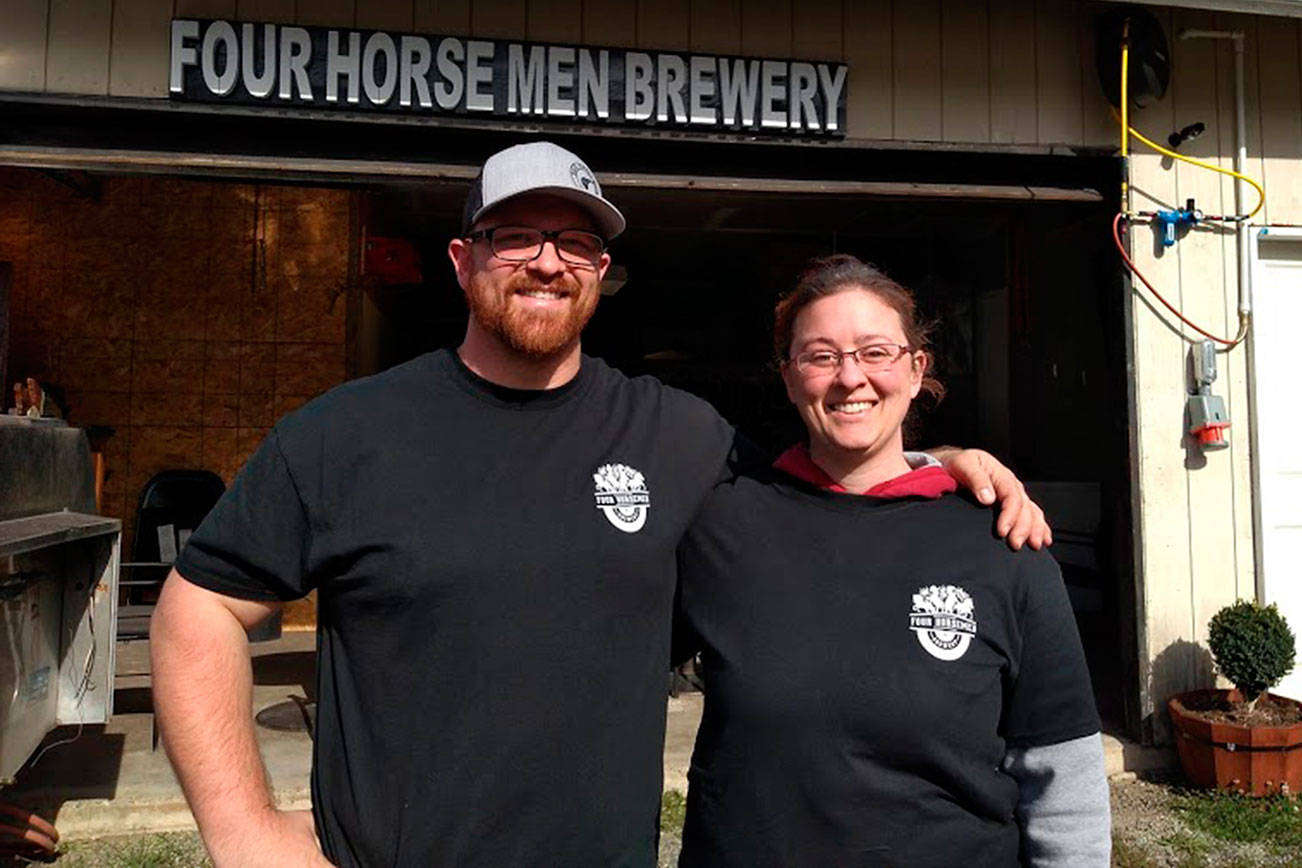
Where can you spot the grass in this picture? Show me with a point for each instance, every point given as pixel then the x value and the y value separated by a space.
pixel 1275 821
pixel 673 810
pixel 171 850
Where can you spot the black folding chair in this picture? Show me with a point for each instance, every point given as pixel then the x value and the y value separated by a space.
pixel 172 505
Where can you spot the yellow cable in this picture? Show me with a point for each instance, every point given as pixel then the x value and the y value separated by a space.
pixel 1261 193
pixel 1125 117
pixel 1125 80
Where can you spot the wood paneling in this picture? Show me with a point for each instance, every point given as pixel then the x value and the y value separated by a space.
pixel 555 20
pixel 766 27
pixel 965 71
pixel 716 26
pixel 1281 120
pixel 664 24
pixel 916 64
pixel 272 11
pixel 225 9
pixel 77 55
pixel 1237 396
pixel 870 98
pixel 613 23
pixel 22 46
pixel 1206 283
pixel 1098 128
pixel 326 13
pixel 499 19
pixel 1057 73
pixel 1012 72
pixel 817 30
pixel 139 49
pixel 443 17
pixel 386 15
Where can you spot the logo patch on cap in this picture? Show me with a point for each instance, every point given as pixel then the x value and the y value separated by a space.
pixel 583 178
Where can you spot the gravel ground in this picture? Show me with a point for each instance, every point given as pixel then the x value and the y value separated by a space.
pixel 1147 833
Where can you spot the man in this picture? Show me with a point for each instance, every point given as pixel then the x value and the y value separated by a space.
pixel 494 554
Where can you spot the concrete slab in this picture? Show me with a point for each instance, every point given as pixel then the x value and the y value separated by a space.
pixel 113 780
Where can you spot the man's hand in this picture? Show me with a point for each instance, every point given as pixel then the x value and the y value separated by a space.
pixel 1020 519
pixel 277 838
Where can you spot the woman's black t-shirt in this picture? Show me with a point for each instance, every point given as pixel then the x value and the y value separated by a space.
pixel 867 663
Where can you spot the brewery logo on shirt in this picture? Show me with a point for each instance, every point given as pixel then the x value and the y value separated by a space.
pixel 944 620
pixel 622 495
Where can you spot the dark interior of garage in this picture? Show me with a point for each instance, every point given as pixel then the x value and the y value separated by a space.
pixel 1029 336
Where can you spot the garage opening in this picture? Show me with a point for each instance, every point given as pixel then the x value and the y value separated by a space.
pixel 1030 326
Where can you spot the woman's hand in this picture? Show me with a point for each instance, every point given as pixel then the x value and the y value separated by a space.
pixel 1020 519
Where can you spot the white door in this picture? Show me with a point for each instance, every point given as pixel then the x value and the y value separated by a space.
pixel 1277 400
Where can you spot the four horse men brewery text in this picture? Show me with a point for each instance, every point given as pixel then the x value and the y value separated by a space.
pixel 259 64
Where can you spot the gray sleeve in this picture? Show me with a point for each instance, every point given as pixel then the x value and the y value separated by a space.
pixel 1064 809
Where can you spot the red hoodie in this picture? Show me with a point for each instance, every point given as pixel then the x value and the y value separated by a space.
pixel 931 481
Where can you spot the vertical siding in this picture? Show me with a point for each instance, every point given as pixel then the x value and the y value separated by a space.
pixel 1012 72
pixel 613 23
pixel 273 11
pixel 1281 122
pixel 664 24
pixel 916 80
pixel 870 97
pixel 716 27
pixel 205 8
pixel 1161 386
pixel 817 30
pixel 386 15
pixel 498 18
pixel 555 20
pixel 77 53
pixel 139 48
pixel 1238 398
pixel 442 16
pixel 965 71
pixel 1098 127
pixel 766 27
pixel 22 46
pixel 1206 285
pixel 1057 72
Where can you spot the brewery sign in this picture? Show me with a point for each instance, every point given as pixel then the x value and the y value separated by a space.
pixel 284 66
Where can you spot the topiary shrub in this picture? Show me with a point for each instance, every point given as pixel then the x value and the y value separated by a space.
pixel 1252 646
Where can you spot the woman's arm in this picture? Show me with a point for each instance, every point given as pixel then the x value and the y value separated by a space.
pixel 1063 806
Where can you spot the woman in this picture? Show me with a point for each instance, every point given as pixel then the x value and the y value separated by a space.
pixel 886 683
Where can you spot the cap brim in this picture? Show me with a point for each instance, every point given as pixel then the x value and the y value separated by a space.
pixel 610 222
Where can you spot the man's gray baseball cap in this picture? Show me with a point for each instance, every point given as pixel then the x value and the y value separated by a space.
pixel 540 167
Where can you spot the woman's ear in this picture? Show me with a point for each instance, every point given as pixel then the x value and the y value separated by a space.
pixel 917 371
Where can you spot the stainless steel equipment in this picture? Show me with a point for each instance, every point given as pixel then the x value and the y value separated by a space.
pixel 58 588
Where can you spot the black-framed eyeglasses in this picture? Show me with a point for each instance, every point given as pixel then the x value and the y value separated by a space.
pixel 870 359
pixel 525 243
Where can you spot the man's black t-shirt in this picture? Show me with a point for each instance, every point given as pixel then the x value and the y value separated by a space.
pixel 495 571
pixel 867 663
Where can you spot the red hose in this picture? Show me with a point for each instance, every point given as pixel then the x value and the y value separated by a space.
pixel 1121 248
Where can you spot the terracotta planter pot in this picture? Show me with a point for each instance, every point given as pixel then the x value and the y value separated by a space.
pixel 1256 760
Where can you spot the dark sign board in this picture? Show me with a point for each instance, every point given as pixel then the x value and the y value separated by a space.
pixel 374 70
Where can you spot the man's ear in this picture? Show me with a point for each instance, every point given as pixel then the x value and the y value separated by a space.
pixel 461 252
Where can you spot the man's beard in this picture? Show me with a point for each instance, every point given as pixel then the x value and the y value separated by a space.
pixel 532 333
